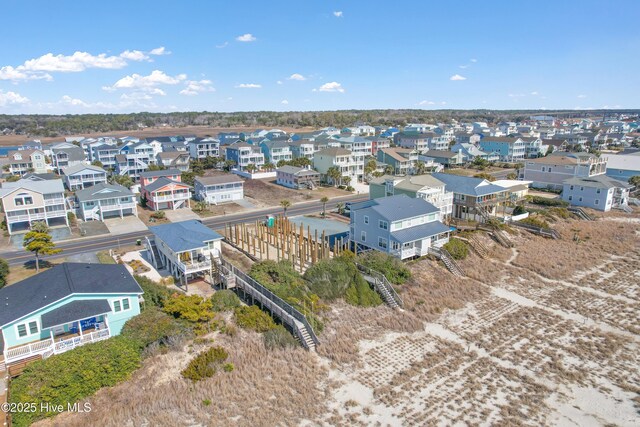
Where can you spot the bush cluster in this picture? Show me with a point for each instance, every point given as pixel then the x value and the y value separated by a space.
pixel 457 248
pixel 153 327
pixel 224 300
pixel 536 221
pixel 394 269
pixel 72 376
pixel 251 317
pixel 543 201
pixel 155 294
pixel 279 337
pixel 205 364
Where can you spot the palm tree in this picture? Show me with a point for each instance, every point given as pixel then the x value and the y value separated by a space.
pixel 334 174
pixel 388 170
pixel 420 167
pixel 285 205
pixel 269 166
pixel 251 168
pixel 340 207
pixel 324 202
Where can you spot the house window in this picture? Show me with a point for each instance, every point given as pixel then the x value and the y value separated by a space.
pixel 597 202
pixel 571 187
pixel 395 245
pixel 580 199
pixel 581 188
pixel 383 224
pixel 366 219
pixel 121 305
pixel 27 329
pixel 598 191
pixel 570 198
pixel 363 236
pixel 382 242
pixel 23 199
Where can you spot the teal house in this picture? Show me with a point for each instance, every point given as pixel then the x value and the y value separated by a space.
pixel 67 306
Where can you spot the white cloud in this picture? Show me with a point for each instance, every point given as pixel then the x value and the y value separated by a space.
pixel 159 51
pixel 296 76
pixel 284 102
pixel 16 74
pixel 248 86
pixel 279 82
pixel 246 38
pixel 156 78
pixel 582 96
pixel 457 77
pixel 195 87
pixel 534 93
pixel 473 60
pixel 443 103
pixel 463 66
pixel 331 87
pixel 337 14
pixel 516 95
pixel 77 62
pixel 222 46
pixel 135 96
pixel 134 55
pixel 12 98
pixel 74 102
pixel 426 103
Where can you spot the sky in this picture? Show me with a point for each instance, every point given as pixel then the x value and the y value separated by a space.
pixel 162 56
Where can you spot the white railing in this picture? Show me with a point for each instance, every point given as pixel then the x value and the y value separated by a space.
pixel 59 201
pixel 176 196
pixel 117 206
pixel 28 350
pixel 194 266
pixel 49 346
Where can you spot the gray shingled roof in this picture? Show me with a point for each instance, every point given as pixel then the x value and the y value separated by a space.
pixel 219 179
pixel 420 232
pixel 185 235
pixel 598 181
pixel 41 290
pixel 397 207
pixel 102 191
pixel 43 187
pixel 467 185
pixel 159 173
pixel 77 168
pixel 75 310
pixel 74 153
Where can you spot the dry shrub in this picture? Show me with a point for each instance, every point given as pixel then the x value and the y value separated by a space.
pixel 265 388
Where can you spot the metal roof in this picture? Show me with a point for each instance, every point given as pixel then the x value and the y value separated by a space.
pixel 185 235
pixel 420 232
pixel 102 190
pixel 43 187
pixel 161 182
pixel 395 208
pixel 159 173
pixel 468 185
pixel 77 168
pixel 56 283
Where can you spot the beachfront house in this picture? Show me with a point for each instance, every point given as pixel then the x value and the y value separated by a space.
pixel 185 248
pixel 599 192
pixel 401 160
pixel 551 171
pixel 399 225
pixel 474 199
pixel 64 307
pixel 509 149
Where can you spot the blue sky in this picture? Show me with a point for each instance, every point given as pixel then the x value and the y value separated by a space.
pixel 129 56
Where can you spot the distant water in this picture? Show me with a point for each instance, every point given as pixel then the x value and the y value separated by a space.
pixel 4 151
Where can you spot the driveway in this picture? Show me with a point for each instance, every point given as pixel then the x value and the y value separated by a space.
pixel 245 203
pixel 128 224
pixel 57 234
pixel 178 215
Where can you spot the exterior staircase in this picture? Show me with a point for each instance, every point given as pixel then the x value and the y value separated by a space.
pixel 382 285
pixel 477 246
pixel 448 261
pixel 155 254
pixel 580 213
pixel 626 208
pixel 499 236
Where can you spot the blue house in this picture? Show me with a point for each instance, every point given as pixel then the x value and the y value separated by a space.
pixel 67 306
pixel 509 149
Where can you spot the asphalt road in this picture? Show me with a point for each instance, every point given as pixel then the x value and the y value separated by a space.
pixel 95 244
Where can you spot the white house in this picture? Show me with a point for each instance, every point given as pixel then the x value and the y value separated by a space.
pixel 596 192
pixel 219 188
pixel 81 176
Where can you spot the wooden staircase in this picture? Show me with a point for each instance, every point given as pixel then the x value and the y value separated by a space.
pixel 382 285
pixel 476 245
pixel 580 213
pixel 500 237
pixel 448 261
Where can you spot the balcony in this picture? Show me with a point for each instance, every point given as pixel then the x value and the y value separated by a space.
pixel 194 267
pixel 57 201
pixel 117 206
pixel 46 348
pixel 172 197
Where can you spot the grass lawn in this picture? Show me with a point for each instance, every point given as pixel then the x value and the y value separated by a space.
pixel 105 258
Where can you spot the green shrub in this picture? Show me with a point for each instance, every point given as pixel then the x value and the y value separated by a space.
pixel 4 272
pixel 519 210
pixel 155 294
pixel 192 308
pixel 457 248
pixel 152 326
pixel 543 201
pixel 361 294
pixel 224 300
pixel 158 215
pixel 205 364
pixel 330 279
pixel 394 269
pixel 560 213
pixel 228 367
pixel 536 221
pixel 72 376
pixel 251 317
pixel 279 337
